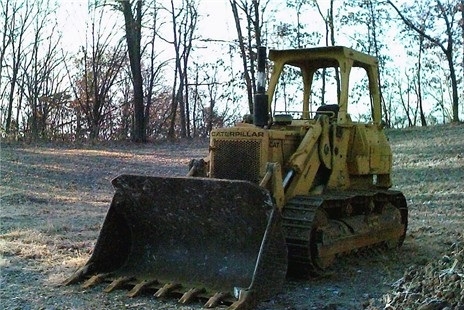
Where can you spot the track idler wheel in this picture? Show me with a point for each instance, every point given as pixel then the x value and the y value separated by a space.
pixel 326 233
pixel 332 237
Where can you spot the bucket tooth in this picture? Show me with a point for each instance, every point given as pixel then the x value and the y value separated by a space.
pixel 166 289
pixel 78 275
pixel 216 299
pixel 137 289
pixel 246 300
pixel 94 280
pixel 117 284
pixel 191 294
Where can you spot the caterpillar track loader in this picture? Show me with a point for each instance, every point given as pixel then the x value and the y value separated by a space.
pixel 281 196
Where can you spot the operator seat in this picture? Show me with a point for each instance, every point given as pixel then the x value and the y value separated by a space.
pixel 328 109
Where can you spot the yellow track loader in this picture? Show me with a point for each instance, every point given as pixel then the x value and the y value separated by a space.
pixel 281 196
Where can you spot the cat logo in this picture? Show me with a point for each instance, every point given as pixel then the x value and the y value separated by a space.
pixel 274 143
pixel 241 134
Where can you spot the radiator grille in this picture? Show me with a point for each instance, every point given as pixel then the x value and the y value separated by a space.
pixel 237 160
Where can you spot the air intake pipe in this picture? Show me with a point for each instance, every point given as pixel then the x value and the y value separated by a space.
pixel 260 102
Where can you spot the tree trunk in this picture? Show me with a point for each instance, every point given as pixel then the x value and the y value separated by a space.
pixel 133 28
pixel 454 87
pixel 241 41
pixel 419 83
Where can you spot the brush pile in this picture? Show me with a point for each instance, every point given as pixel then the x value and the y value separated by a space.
pixel 437 286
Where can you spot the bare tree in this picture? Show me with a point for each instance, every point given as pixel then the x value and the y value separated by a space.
pixel 8 17
pixel 406 102
pixel 100 67
pixel 253 12
pixel 370 19
pixel 188 36
pixel 18 20
pixel 33 66
pixel 298 6
pixel 329 23
pixel 184 20
pixel 447 13
pixel 241 44
pixel 102 62
pixel 206 94
pixel 153 70
pixel 42 78
pixel 460 8
pixel 125 111
pixel 419 82
pixel 132 11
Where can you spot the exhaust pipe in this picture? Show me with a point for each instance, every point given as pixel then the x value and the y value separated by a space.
pixel 260 102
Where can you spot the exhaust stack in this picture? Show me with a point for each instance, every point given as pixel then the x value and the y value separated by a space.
pixel 260 102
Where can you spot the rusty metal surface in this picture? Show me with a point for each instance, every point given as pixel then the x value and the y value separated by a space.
pixel 213 235
pixel 318 228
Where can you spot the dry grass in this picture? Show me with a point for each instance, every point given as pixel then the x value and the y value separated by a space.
pixel 53 200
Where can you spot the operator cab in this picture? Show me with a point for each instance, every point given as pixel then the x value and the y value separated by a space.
pixel 306 83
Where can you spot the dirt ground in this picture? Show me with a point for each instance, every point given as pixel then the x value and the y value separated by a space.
pixel 54 199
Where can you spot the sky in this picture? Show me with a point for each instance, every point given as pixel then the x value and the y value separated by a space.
pixel 72 16
pixel 216 24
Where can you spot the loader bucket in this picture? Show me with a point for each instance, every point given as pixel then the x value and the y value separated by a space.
pixel 197 237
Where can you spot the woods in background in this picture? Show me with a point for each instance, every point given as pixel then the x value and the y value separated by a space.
pixel 147 71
